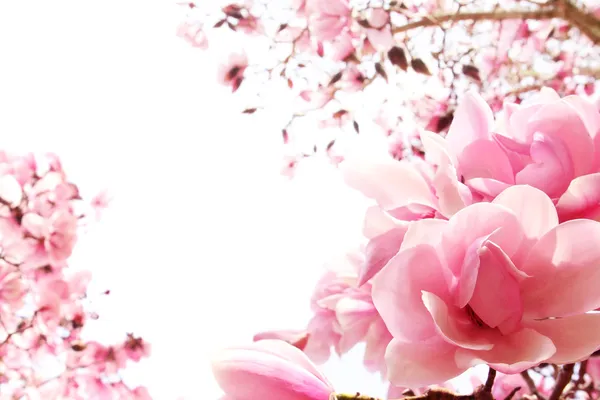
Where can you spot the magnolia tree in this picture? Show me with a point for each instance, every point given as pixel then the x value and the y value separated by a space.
pixel 480 247
pixel 44 307
pixel 338 67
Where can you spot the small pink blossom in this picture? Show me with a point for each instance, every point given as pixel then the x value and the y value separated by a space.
pixel 269 369
pixel 231 73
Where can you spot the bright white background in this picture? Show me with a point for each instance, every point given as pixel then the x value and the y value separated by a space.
pixel 205 243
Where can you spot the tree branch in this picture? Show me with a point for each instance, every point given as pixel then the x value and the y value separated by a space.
pixel 587 23
pixel 436 19
pixel 563 379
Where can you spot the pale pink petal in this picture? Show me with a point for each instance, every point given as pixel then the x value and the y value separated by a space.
pixel 575 337
pixel 10 190
pixel 379 251
pixel 35 224
pixel 437 150
pixel 378 17
pixel 476 221
pixel 532 207
pixel 517 152
pixel 496 299
pixel 397 291
pixel 587 112
pixel 249 374
pixel 563 265
pixel 376 342
pixel 473 120
pixel 355 317
pixel 565 124
pixel 377 222
pixel 418 364
pixel 381 39
pixel 392 183
pixel 487 187
pixel 511 354
pixel 582 198
pixel 285 351
pixel 453 196
pixel 552 166
pixel 424 231
pixel 485 159
pixel 454 325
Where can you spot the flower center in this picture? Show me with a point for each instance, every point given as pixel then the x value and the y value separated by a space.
pixel 475 318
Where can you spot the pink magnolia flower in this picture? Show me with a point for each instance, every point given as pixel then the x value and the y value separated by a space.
pixel 269 369
pixel 488 286
pixel 231 73
pixel 546 142
pixel 328 19
pixel 344 315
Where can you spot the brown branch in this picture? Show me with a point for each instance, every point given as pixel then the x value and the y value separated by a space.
pixel 531 385
pixel 489 383
pixel 587 23
pixel 436 19
pixel 563 379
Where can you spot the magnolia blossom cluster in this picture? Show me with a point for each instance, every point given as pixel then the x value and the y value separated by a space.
pixel 342 62
pixel 485 252
pixel 43 305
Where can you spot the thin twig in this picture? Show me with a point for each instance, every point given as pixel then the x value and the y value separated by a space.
pixel 563 379
pixel 512 393
pixel 489 383
pixel 531 385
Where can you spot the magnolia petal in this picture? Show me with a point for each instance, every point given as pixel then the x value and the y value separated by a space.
pixel 511 354
pixel 533 208
pixel 387 181
pixel 397 290
pixel 563 265
pixel 473 120
pixel 575 337
pixel 582 198
pixel 454 325
pixel 379 251
pixel 424 231
pixel 418 364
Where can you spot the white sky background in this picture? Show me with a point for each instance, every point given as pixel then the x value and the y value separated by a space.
pixel 205 243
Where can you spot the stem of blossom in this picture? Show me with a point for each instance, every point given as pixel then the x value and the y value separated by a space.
pixel 489 383
pixel 531 385
pixel 563 379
